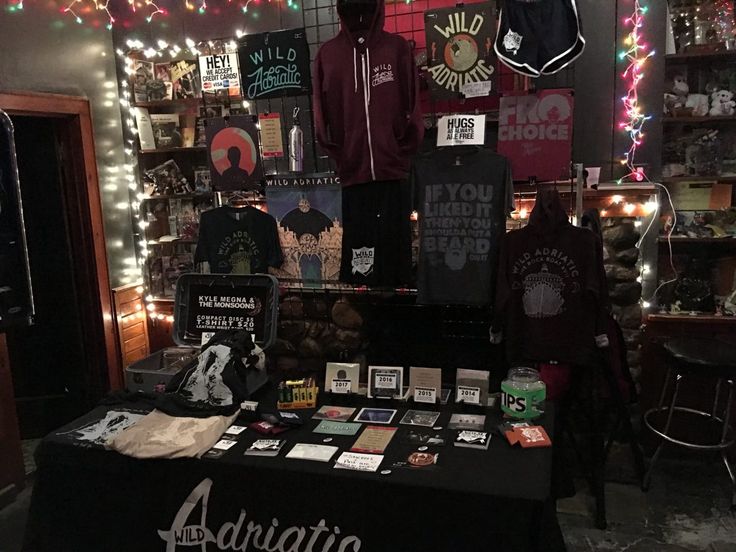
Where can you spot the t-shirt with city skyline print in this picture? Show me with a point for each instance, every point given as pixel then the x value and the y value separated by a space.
pixel 238 241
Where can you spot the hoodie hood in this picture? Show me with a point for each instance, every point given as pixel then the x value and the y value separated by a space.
pixel 361 19
pixel 592 221
pixel 548 215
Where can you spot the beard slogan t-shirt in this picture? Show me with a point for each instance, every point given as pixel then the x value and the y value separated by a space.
pixel 462 198
pixel 238 241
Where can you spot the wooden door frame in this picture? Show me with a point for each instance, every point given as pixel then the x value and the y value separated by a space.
pixel 90 255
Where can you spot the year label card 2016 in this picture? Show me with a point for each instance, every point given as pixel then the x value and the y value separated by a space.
pixel 386 381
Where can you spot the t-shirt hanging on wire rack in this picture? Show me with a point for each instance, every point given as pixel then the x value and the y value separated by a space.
pixel 462 195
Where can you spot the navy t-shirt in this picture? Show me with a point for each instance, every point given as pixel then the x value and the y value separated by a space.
pixel 238 241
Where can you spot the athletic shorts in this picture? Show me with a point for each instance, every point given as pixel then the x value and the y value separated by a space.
pixel 539 37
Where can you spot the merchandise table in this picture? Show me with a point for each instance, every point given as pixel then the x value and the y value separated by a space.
pixel 88 498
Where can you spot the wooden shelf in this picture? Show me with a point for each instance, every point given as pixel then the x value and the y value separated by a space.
pixel 687 239
pixel 173 150
pixel 201 195
pixel 162 300
pixel 564 189
pixel 691 319
pixel 694 120
pixel 173 242
pixel 724 179
pixel 189 102
pixel 722 55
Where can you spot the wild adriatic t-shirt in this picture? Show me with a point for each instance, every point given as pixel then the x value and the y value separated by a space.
pixel 238 241
pixel 462 199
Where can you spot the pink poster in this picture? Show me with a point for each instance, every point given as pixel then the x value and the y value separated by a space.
pixel 535 134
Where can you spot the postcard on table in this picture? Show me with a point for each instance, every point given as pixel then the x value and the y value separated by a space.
pixel 337 428
pixel 375 415
pixel 335 413
pixel 420 418
pixel 374 440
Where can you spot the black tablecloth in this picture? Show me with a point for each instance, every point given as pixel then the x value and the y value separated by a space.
pixel 87 498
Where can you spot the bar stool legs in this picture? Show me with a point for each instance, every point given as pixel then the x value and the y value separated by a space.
pixel 670 413
pixel 726 440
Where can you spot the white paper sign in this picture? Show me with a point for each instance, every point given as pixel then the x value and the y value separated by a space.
pixel 470 395
pixel 425 395
pixel 476 89
pixel 359 462
pixel 342 386
pixel 385 381
pixel 219 72
pixel 461 130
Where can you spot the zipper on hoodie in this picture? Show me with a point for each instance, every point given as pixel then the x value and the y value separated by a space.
pixel 366 92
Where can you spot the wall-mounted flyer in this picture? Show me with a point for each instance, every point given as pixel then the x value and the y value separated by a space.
pixel 275 64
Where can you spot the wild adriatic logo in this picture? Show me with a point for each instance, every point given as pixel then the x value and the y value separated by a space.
pixel 243 535
pixel 275 64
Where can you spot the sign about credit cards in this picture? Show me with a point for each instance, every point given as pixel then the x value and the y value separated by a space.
pixel 219 72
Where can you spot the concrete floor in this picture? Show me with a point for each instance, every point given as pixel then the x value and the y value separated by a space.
pixel 686 509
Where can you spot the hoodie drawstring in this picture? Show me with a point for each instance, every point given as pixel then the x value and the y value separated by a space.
pixel 355 68
pixel 368 74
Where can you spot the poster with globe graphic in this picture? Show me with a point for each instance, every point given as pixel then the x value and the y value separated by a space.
pixel 308 212
pixel 233 152
pixel 460 48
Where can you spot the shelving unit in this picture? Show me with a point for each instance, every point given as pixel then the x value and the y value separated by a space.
pixel 722 55
pixel 169 151
pixel 692 318
pixel 674 179
pixel 687 120
pixel 697 241
pixel 703 67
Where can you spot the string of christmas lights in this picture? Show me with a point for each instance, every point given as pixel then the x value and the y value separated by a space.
pixel 637 53
pixel 82 10
pixel 98 6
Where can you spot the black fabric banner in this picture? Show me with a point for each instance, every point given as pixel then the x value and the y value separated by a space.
pixel 275 64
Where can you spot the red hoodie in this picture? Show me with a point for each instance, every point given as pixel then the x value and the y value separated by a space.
pixel 366 100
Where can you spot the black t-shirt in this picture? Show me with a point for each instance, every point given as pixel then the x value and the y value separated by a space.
pixel 462 214
pixel 245 246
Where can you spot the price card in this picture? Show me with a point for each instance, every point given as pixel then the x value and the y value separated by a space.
pixel 235 430
pixel 224 444
pixel 470 395
pixel 425 395
pixel 386 381
pixel 342 386
pixel 249 406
